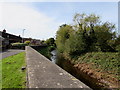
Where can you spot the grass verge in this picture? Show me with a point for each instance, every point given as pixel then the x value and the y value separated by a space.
pixel 45 51
pixel 102 68
pixel 12 75
pixel 105 61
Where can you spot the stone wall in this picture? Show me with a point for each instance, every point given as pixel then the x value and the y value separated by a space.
pixel 42 73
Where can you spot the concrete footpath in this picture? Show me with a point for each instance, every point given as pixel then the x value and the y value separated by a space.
pixel 42 73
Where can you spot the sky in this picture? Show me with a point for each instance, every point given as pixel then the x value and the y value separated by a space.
pixel 41 20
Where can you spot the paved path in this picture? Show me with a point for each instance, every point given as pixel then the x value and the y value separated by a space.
pixel 42 73
pixel 9 52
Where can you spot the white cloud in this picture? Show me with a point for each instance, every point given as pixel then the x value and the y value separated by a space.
pixel 18 17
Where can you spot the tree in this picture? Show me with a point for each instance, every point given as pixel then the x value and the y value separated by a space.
pixel 91 39
pixel 104 35
pixel 79 20
pixel 76 44
pixel 87 35
pixel 62 35
pixel 86 23
pixel 116 44
pixel 50 41
pixel 83 20
pixel 92 19
pixel 99 35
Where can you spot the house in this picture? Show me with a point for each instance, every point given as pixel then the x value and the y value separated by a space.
pixel 33 41
pixel 27 39
pixel 7 38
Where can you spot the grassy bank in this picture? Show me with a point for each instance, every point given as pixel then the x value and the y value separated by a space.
pixel 12 75
pixel 103 67
pixel 45 51
pixel 108 62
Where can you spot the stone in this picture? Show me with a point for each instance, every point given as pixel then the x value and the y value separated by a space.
pixel 23 68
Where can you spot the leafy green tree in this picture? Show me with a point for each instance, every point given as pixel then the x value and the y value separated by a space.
pixel 118 48
pixel 116 43
pixel 83 20
pixel 86 24
pixel 92 19
pixel 91 39
pixel 87 35
pixel 76 44
pixel 101 33
pixel 62 35
pixel 79 20
pixel 104 34
pixel 50 41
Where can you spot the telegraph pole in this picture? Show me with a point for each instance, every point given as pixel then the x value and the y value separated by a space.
pixel 23 36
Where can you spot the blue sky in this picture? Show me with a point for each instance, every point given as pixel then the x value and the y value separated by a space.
pixel 64 11
pixel 42 19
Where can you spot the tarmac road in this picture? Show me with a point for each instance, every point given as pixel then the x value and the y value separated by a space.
pixel 9 52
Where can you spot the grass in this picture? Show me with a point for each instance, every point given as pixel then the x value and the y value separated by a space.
pixel 45 51
pixel 107 61
pixel 12 75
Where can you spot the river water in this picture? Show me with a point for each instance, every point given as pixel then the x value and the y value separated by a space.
pixel 54 56
pixel 60 61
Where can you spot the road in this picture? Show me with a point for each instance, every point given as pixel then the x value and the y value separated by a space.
pixel 9 52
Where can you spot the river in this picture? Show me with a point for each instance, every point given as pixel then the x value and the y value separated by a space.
pixel 60 61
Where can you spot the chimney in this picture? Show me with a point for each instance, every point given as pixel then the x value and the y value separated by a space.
pixel 4 31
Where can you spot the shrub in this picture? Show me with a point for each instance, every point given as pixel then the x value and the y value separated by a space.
pixel 51 48
pixel 19 44
pixel 50 41
pixel 118 48
pixel 27 42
